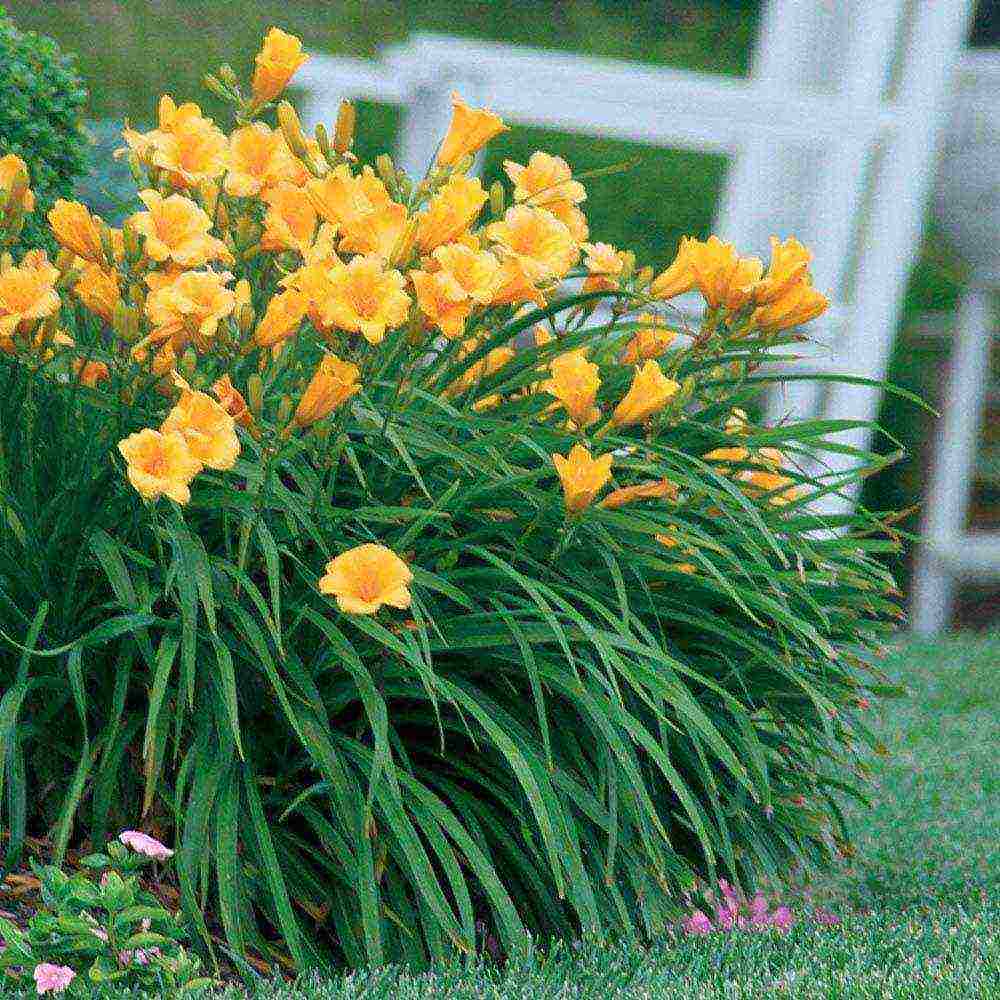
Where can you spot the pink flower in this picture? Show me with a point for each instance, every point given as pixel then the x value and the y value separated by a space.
pixel 725 916
pixel 758 911
pixel 697 923
pixel 825 917
pixel 781 918
pixel 728 893
pixel 142 843
pixel 52 978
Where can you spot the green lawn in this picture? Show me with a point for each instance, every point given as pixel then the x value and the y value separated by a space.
pixel 920 905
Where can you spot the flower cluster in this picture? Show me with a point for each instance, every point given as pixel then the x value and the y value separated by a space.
pixel 266 276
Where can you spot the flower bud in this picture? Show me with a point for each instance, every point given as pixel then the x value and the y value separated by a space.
pixel 228 77
pixel 497 198
pixel 343 135
pixel 133 243
pixel 125 322
pixel 189 363
pixel 291 128
pixel 323 141
pixel 403 250
pixel 284 410
pixel 255 394
pixel 216 86
pixel 386 170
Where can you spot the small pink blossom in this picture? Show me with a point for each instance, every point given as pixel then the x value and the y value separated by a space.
pixel 826 917
pixel 728 893
pixel 725 916
pixel 758 911
pixel 142 843
pixel 52 978
pixel 140 956
pixel 697 923
pixel 782 918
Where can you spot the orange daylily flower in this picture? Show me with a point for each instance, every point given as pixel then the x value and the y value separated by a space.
pixel 259 158
pixel 605 265
pixel 290 221
pixel 470 130
pixel 476 271
pixel 724 278
pixel 574 383
pixel 89 373
pixel 14 172
pixel 76 229
pixel 284 314
pixel 190 306
pixel 343 199
pixel 206 427
pixel 177 231
pixel 789 264
pixel 648 341
pixel 679 277
pixel 98 291
pixel 535 238
pixel 365 298
pixel 332 384
pixel 582 477
pixel 451 212
pixel 659 489
pixel 276 63
pixel 365 578
pixel 799 304
pixel 159 465
pixel 27 292
pixel 547 182
pixel 377 232
pixel 442 300
pixel 232 401
pixel 649 393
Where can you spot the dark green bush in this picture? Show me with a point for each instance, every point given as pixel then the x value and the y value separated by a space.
pixel 41 101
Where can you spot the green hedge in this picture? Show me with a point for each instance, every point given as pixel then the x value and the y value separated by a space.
pixel 41 103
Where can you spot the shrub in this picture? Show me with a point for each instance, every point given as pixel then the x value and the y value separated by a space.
pixel 426 604
pixel 41 103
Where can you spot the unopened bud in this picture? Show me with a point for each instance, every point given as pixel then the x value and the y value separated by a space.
pixel 323 141
pixel 644 276
pixel 498 198
pixel 386 170
pixel 216 86
pixel 255 394
pixel 125 322
pixel 137 170
pixel 284 410
pixel 343 134
pixel 189 363
pixel 133 243
pixel 208 192
pixel 108 242
pixel 228 77
pixel 291 129
pixel 403 250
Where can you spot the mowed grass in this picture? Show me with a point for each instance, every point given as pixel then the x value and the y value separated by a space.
pixel 920 904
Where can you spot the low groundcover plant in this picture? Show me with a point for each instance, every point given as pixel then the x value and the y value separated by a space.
pixel 101 929
pixel 421 596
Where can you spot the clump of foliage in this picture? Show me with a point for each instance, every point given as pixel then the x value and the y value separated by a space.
pixel 41 104
pixel 100 926
pixel 425 599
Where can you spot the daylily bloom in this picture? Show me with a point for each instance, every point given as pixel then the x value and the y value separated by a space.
pixel 159 465
pixel 649 393
pixel 280 56
pixel 89 373
pixel 232 401
pixel 679 277
pixel 190 306
pixel 365 578
pixel 442 300
pixel 332 384
pixel 605 264
pixel 789 264
pixel 537 240
pixel 724 278
pixel 582 476
pixel 365 298
pixel 27 292
pixel 176 230
pixel 282 319
pixel 799 304
pixel 376 232
pixel 450 212
pixel 648 341
pixel 98 290
pixel 290 221
pixel 470 130
pixel 14 171
pixel 206 427
pixel 656 490
pixel 76 229
pixel 259 158
pixel 477 272
pixel 574 383
pixel 344 199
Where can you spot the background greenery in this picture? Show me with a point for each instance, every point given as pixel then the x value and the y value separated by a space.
pixel 921 905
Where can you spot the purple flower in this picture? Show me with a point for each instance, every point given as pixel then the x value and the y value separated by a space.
pixel 142 843
pixel 782 918
pixel 825 917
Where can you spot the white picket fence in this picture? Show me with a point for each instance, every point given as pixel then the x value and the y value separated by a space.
pixel 832 138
